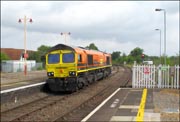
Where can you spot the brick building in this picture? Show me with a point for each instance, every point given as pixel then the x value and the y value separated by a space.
pixel 14 54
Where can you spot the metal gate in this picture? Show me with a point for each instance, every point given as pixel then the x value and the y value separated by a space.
pixel 150 76
pixel 143 76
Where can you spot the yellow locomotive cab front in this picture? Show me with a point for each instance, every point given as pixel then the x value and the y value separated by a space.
pixel 61 64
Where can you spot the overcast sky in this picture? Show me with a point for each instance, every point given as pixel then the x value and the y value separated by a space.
pixel 110 25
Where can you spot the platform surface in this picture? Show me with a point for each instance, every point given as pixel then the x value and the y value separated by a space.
pixel 124 106
pixel 13 80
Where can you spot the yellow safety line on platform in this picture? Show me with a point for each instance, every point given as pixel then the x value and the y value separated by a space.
pixel 140 114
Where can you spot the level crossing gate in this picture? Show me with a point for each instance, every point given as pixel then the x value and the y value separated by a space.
pixel 150 76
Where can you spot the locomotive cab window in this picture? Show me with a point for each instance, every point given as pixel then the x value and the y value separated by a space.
pixel 53 58
pixel 79 58
pixel 108 60
pixel 90 59
pixel 68 57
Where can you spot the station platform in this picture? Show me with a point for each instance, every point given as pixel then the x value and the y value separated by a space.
pixel 125 104
pixel 13 80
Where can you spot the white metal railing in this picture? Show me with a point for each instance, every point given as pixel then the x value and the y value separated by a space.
pixel 163 77
pixel 149 76
pixel 175 79
pixel 143 76
pixel 19 66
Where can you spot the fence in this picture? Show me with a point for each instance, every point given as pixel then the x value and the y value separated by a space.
pixel 18 66
pixel 150 76
pixel 143 76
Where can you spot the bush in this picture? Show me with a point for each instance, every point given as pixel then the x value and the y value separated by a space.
pixel 4 57
pixel 40 68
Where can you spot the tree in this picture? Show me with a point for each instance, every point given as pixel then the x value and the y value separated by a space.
pixel 136 54
pixel 116 55
pixel 130 59
pixel 92 46
pixel 34 56
pixel 4 57
pixel 42 50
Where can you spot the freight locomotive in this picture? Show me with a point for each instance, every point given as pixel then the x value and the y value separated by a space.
pixel 70 68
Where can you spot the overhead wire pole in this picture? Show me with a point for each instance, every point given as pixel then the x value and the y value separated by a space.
pixel 65 34
pixel 25 51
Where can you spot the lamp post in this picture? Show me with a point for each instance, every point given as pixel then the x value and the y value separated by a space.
pixel 160 43
pixel 65 34
pixel 25 19
pixel 164 32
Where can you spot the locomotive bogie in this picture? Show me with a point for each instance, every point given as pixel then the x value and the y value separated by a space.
pixel 61 84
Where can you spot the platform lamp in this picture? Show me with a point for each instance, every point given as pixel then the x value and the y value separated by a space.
pixel 25 55
pixel 65 34
pixel 164 32
pixel 160 44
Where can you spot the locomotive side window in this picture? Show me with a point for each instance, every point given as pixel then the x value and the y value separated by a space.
pixel 79 58
pixel 108 60
pixel 90 59
pixel 53 58
pixel 68 57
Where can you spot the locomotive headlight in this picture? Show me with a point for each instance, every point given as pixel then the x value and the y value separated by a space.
pixel 72 73
pixel 50 73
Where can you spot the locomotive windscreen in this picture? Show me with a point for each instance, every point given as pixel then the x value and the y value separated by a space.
pixel 53 58
pixel 68 57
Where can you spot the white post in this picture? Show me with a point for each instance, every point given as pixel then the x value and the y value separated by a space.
pixel 133 77
pixel 25 64
pixel 177 68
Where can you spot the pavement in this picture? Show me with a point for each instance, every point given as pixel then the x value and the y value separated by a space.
pixel 125 105
pixel 13 80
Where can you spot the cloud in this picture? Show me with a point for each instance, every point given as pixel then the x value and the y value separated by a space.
pixel 117 25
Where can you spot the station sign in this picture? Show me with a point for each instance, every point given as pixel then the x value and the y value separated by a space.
pixel 164 68
pixel 146 70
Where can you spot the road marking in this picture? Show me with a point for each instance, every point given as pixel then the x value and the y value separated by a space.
pixel 140 114
pixel 98 107
pixel 151 116
pixel 23 87
pixel 128 106
pixel 113 105
pixel 123 118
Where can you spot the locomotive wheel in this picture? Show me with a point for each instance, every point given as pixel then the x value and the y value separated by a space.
pixel 80 83
pixel 105 74
pixel 95 78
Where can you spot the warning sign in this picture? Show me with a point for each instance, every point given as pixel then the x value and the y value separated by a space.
pixel 146 70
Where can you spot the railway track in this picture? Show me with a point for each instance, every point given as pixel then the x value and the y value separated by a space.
pixel 27 109
pixel 37 110
pixel 78 113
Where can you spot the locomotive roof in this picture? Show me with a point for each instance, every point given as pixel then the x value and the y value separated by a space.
pixel 72 48
pixel 61 47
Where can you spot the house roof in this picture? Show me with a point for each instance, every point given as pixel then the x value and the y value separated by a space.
pixel 14 54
